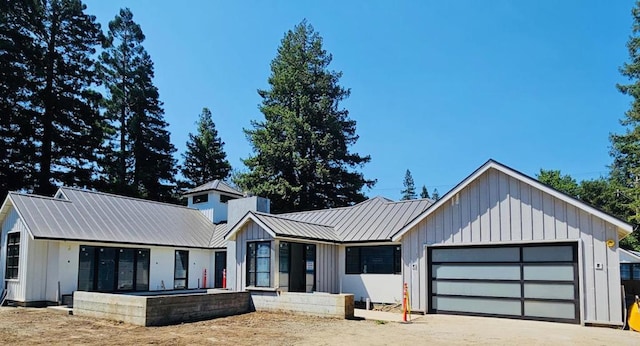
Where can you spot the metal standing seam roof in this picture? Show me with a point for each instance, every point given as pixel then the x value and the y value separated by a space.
pixel 217 238
pixel 297 229
pixel 101 217
pixel 217 185
pixel 372 220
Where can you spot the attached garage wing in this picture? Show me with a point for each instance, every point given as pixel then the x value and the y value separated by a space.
pixel 532 281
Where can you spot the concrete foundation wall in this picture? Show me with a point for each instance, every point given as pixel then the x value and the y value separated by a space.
pixel 315 304
pixel 162 309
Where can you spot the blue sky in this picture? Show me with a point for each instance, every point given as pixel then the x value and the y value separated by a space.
pixel 437 87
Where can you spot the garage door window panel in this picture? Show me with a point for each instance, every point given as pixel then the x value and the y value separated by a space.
pixel 472 271
pixel 485 289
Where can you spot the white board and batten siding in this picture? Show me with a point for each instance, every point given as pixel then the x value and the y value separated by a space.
pixel 16 287
pixel 499 209
pixel 326 266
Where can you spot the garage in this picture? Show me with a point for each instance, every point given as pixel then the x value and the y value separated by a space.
pixel 532 281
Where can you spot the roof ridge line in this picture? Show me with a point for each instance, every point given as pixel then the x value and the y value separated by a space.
pixel 125 197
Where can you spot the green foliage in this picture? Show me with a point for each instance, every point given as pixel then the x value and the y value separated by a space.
pixel 564 183
pixel 205 159
pixel 139 159
pixel 409 191
pixel 302 159
pixel 625 147
pixel 424 193
pixel 47 48
pixel 435 195
pixel 17 164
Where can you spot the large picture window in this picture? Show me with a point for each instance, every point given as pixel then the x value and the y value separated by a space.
pixel 373 259
pixel 109 269
pixel 259 264
pixel 13 255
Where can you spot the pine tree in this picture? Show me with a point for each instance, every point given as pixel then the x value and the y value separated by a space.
pixel 57 109
pixel 302 159
pixel 424 193
pixel 409 191
pixel 435 195
pixel 625 148
pixel 205 159
pixel 140 160
pixel 17 164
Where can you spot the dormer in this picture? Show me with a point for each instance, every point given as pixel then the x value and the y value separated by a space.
pixel 212 199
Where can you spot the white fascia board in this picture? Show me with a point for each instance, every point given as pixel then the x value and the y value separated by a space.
pixel 249 216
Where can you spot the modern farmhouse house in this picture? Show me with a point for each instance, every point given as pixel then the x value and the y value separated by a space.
pixel 499 244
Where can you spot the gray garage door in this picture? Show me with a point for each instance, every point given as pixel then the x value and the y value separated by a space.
pixel 538 282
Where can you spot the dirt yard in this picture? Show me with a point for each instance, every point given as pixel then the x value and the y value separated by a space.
pixel 22 326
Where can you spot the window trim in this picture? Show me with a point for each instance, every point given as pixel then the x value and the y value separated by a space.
pixel 15 245
pixel 396 265
pixel 254 274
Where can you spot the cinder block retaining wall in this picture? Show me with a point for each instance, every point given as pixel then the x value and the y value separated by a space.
pixel 160 310
pixel 316 304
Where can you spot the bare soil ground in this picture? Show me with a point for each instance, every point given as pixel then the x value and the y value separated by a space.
pixel 27 326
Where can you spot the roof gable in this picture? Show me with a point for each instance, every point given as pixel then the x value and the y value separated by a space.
pixel 623 227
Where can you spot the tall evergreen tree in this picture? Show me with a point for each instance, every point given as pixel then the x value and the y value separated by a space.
pixel 625 147
pixel 17 165
pixel 140 154
pixel 302 159
pixel 435 195
pixel 55 41
pixel 205 159
pixel 409 191
pixel 424 193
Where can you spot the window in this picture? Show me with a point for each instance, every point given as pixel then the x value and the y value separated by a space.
pixel 200 198
pixel 630 271
pixel 13 255
pixel 259 264
pixel 373 260
pixel 109 269
pixel 181 272
pixel 225 199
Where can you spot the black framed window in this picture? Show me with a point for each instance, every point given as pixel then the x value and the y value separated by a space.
pixel 200 198
pixel 385 259
pixel 259 264
pixel 109 269
pixel 630 271
pixel 13 255
pixel 181 272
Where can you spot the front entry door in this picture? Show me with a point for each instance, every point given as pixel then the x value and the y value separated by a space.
pixel 297 279
pixel 297 267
